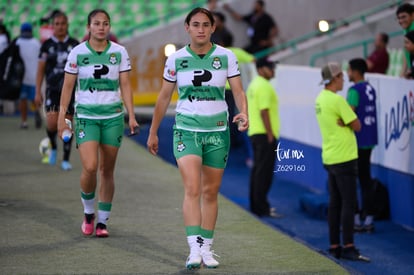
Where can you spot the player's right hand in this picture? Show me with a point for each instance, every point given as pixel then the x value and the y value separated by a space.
pixel 38 99
pixel 152 144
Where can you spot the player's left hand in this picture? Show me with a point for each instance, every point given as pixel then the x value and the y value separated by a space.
pixel 133 126
pixel 242 122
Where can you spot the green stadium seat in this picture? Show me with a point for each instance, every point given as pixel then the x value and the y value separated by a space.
pixel 66 6
pixel 125 14
pixel 396 61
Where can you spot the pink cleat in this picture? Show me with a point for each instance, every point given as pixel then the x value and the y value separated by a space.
pixel 88 224
pixel 101 231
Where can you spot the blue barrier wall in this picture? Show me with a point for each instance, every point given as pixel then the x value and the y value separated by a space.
pixel 311 174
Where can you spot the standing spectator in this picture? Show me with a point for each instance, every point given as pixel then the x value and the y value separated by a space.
pixel 4 38
pixel 409 47
pixel 99 69
pixel 51 64
pixel 379 60
pixel 221 32
pixel 264 133
pixel 29 49
pixel 262 28
pixel 338 123
pixel 362 98
pixel 201 137
pixel 212 5
pixel 405 17
pixel 4 43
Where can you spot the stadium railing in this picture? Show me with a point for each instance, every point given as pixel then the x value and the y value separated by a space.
pixel 293 43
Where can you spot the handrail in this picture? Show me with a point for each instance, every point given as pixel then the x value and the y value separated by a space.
pixel 364 43
pixel 340 23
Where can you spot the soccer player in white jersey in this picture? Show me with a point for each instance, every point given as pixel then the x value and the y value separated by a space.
pixel 99 68
pixel 201 134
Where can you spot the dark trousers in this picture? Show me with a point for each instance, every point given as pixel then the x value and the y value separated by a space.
pixel 365 182
pixel 342 201
pixel 261 176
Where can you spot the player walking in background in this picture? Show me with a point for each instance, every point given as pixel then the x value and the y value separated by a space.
pixel 99 68
pixel 52 59
pixel 201 131
pixel 29 49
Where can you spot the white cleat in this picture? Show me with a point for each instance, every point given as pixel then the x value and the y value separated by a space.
pixel 193 261
pixel 208 259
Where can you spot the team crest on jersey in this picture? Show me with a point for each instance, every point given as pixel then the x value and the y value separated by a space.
pixel 112 59
pixel 81 134
pixel 216 63
pixel 180 146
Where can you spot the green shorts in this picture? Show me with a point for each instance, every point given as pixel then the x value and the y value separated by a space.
pixel 105 131
pixel 212 147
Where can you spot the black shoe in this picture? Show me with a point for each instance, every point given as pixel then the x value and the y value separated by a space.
pixel 369 228
pixel 24 125
pixel 335 252
pixel 351 253
pixel 358 228
pixel 273 213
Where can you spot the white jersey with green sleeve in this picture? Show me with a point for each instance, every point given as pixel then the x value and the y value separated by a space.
pixel 97 87
pixel 201 81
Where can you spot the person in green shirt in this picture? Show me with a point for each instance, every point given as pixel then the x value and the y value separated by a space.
pixel 362 98
pixel 405 17
pixel 264 133
pixel 338 123
pixel 409 48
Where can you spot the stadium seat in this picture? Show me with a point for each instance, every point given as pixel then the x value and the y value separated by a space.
pixel 125 14
pixel 396 62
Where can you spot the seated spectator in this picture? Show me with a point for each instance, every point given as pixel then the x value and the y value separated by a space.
pixel 379 60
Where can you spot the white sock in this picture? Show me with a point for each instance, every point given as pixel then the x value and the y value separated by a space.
pixel 103 216
pixel 88 206
pixel 357 219
pixel 207 243
pixel 369 220
pixel 194 242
